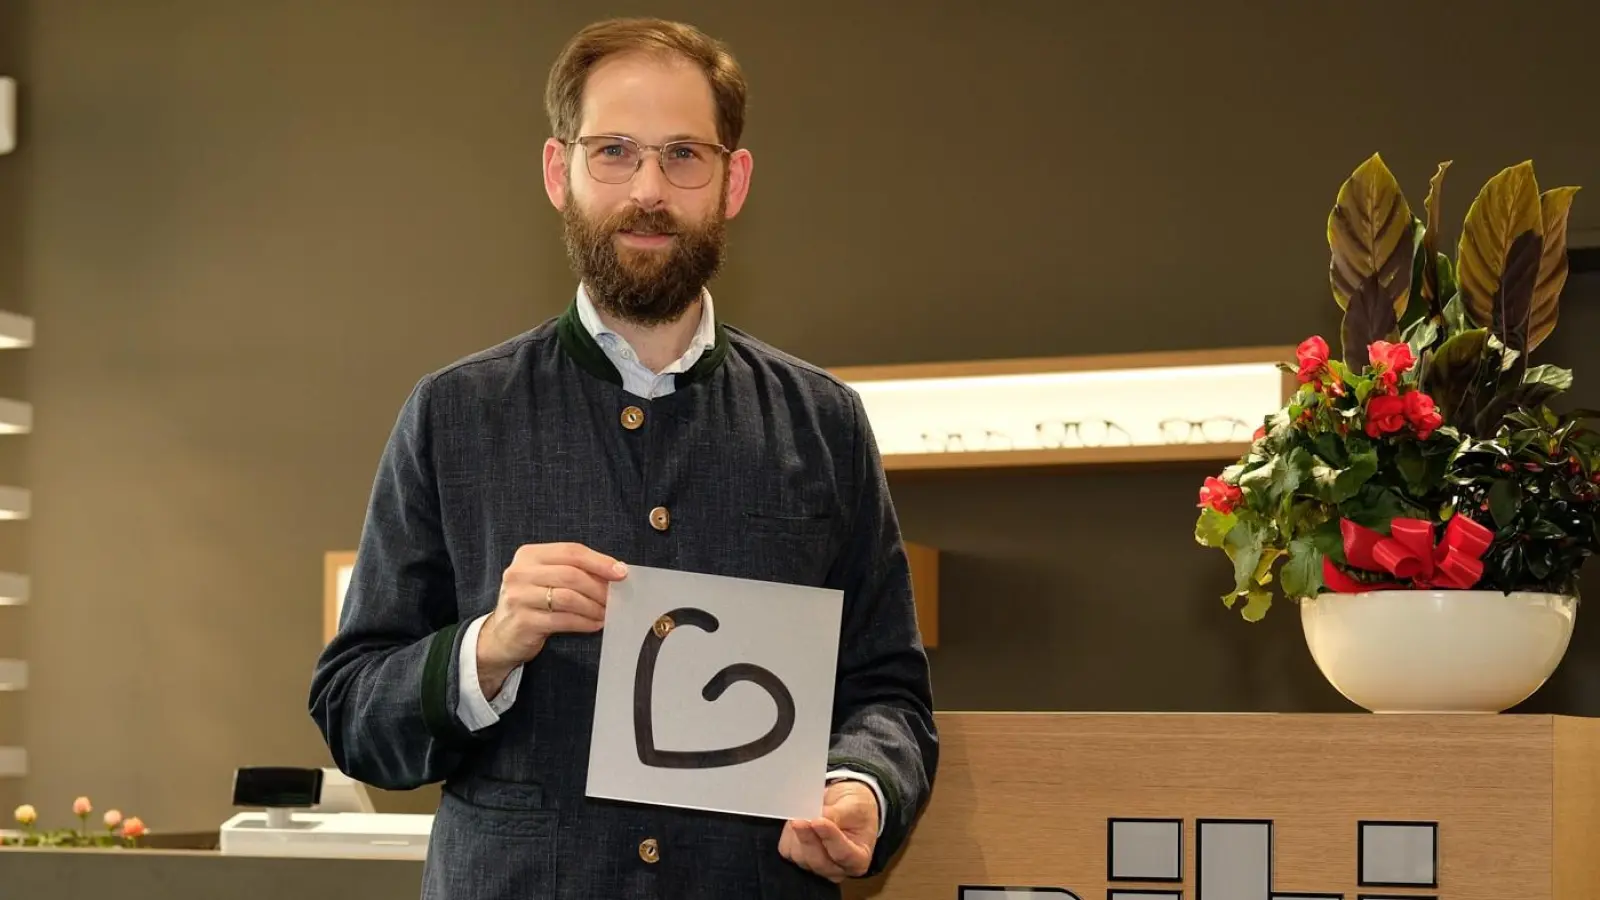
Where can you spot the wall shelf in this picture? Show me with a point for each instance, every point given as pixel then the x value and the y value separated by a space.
pixel 13 762
pixel 14 589
pixel 16 416
pixel 1133 409
pixel 15 502
pixel 16 331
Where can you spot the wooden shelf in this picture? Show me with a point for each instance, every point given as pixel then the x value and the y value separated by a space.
pixel 992 404
pixel 1076 456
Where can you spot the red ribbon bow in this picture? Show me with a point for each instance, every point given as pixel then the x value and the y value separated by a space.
pixel 1408 553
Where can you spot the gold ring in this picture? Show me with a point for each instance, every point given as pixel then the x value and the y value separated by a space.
pixel 550 599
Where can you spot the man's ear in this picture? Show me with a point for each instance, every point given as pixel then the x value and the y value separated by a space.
pixel 555 172
pixel 740 166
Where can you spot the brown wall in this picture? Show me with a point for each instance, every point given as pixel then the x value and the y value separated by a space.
pixel 246 229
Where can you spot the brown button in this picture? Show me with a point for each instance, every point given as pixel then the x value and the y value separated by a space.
pixel 660 518
pixel 662 626
pixel 649 850
pixel 632 417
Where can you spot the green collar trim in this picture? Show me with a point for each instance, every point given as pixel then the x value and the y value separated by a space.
pixel 586 352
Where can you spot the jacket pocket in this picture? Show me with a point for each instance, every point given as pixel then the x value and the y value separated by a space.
pixel 794 549
pixel 492 839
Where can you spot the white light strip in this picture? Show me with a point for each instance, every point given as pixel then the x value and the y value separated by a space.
pixel 1030 380
pixel 16 416
pixel 1146 407
pixel 13 674
pixel 15 503
pixel 13 762
pixel 8 115
pixel 13 589
pixel 15 330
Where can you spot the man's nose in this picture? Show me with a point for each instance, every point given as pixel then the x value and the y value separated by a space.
pixel 649 184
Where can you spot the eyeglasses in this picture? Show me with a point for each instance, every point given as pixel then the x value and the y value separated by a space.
pixel 1094 433
pixel 614 159
pixel 955 442
pixel 1215 430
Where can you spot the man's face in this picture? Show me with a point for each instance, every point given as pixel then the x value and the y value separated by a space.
pixel 647 245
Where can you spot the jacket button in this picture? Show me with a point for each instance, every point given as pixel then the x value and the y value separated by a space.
pixel 632 418
pixel 660 518
pixel 649 850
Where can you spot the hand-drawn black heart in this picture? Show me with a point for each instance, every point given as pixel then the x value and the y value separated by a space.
pixel 644 691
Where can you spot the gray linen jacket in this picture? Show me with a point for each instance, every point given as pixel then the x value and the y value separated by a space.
pixel 767 469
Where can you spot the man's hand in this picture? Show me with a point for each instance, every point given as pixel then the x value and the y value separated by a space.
pixel 547 589
pixel 839 845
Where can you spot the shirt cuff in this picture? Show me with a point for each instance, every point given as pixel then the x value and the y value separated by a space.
pixel 475 710
pixel 842 774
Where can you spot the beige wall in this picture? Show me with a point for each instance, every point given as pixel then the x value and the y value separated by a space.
pixel 246 229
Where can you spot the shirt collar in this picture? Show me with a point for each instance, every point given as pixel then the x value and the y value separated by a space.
pixel 705 334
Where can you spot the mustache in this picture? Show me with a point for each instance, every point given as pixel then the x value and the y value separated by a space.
pixel 642 222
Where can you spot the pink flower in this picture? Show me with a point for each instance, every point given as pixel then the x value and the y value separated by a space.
pixel 1219 495
pixel 113 818
pixel 1389 362
pixel 1421 414
pixel 1312 355
pixel 132 827
pixel 82 807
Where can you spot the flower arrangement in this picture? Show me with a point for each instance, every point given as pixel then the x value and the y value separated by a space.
pixel 119 831
pixel 1425 454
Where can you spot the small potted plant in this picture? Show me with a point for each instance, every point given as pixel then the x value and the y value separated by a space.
pixel 1418 496
pixel 119 831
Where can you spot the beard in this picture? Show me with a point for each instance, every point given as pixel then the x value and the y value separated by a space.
pixel 646 287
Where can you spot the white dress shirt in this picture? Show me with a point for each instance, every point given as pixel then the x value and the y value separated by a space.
pixel 475 710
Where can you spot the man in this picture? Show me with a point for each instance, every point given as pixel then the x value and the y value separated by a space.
pixel 519 482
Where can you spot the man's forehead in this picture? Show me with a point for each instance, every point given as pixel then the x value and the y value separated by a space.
pixel 649 98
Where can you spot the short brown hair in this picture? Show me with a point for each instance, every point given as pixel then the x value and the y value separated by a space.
pixel 563 95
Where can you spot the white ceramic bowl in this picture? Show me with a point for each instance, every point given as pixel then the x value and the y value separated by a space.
pixel 1437 651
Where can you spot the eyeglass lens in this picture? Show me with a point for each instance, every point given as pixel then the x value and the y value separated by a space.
pixel 686 164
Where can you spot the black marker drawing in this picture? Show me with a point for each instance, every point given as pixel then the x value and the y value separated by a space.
pixel 644 690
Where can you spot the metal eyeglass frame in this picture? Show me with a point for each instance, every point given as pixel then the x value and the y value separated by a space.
pixel 659 150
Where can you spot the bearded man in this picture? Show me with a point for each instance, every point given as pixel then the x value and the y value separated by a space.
pixel 636 427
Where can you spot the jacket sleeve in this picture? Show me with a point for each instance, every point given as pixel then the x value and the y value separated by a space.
pixel 385 690
pixel 883 702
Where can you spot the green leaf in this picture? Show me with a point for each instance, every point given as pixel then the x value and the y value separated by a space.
pixel 1338 485
pixel 1376 506
pixel 1421 336
pixel 1372 237
pixel 1502 241
pixel 1212 528
pixel 1256 604
pixel 1413 467
pixel 1504 497
pixel 1554 204
pixel 1302 571
pixel 1329 540
pixel 1455 315
pixel 1550 376
pixel 1244 549
pixel 1453 372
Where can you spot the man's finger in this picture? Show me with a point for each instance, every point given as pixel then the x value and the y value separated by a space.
pixel 814 856
pixel 839 848
pixel 598 564
pixel 573 579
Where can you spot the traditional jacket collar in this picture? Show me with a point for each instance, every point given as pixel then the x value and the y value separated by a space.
pixel 581 346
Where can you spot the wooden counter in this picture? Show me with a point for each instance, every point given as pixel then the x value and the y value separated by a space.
pixel 1027 800
pixel 1262 807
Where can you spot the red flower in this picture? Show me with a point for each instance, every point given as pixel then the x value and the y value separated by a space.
pixel 1386 413
pixel 1421 414
pixel 1219 495
pixel 1313 357
pixel 1260 433
pixel 1389 362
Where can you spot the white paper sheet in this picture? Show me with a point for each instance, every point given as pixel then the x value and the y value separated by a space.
pixel 790 632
